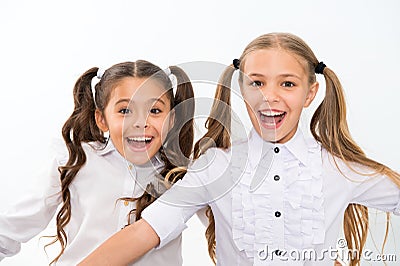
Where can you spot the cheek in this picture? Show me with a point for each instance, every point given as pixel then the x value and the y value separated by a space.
pixel 116 126
pixel 253 117
pixel 252 98
pixel 162 126
pixel 117 138
pixel 295 102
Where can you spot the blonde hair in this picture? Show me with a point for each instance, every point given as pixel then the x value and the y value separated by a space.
pixel 328 126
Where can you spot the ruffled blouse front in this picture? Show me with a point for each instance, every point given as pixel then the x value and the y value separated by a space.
pixel 273 204
pixel 285 210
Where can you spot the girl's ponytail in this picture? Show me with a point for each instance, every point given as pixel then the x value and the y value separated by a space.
pixel 218 126
pixel 329 127
pixel 79 127
pixel 218 123
pixel 183 125
pixel 329 123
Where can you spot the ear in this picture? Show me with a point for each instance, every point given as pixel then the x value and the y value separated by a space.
pixel 312 92
pixel 100 121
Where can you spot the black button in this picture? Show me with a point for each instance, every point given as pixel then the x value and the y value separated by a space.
pixel 276 178
pixel 277 214
pixel 276 149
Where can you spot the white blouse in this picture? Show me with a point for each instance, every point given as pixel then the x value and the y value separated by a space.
pixel 271 202
pixel 96 211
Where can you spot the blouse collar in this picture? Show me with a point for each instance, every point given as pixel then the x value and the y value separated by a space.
pixel 297 146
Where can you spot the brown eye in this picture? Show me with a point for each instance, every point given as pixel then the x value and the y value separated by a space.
pixel 256 83
pixel 155 111
pixel 288 84
pixel 124 111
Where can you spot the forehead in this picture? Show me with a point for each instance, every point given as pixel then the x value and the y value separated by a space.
pixel 138 89
pixel 273 62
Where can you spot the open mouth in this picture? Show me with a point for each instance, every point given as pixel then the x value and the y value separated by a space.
pixel 139 143
pixel 271 118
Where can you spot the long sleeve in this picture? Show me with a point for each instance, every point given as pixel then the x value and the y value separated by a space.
pixel 376 191
pixel 168 215
pixel 32 212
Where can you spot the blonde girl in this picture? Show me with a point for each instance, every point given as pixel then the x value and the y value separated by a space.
pixel 278 194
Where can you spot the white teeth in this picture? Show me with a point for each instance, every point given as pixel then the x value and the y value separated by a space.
pixel 139 139
pixel 271 113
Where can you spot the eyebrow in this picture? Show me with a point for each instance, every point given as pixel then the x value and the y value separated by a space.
pixel 290 75
pixel 126 100
pixel 281 75
pixel 156 100
pixel 122 101
pixel 255 75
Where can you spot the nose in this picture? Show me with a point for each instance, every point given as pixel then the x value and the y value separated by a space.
pixel 141 125
pixel 270 94
pixel 140 121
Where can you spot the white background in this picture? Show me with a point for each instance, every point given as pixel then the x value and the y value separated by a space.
pixel 46 45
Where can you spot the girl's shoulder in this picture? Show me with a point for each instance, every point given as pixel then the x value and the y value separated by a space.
pixel 213 154
pixel 352 172
pixel 58 150
pixel 212 163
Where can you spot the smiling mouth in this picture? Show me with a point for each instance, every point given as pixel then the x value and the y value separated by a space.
pixel 139 143
pixel 271 118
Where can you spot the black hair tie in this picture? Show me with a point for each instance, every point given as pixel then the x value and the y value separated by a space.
pixel 236 63
pixel 319 69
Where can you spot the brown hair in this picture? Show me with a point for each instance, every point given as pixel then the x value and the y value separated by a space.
pixel 81 127
pixel 328 126
pixel 218 126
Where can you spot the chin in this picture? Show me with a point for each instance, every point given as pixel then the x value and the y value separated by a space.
pixel 142 160
pixel 137 159
pixel 272 140
pixel 268 135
